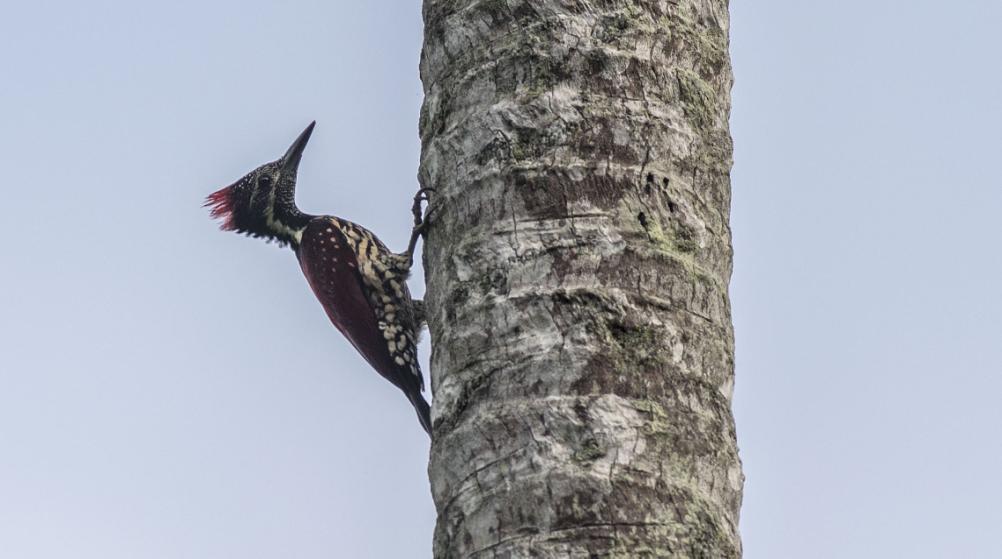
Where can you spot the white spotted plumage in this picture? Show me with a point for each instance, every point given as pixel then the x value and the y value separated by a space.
pixel 384 276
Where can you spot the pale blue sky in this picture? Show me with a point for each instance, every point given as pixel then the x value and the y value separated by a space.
pixel 168 390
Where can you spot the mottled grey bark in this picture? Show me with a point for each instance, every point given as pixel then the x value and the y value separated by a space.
pixel 577 275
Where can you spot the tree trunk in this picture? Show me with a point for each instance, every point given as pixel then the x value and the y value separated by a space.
pixel 577 273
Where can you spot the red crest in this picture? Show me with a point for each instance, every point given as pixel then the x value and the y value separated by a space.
pixel 221 202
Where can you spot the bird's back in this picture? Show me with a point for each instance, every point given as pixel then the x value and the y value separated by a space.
pixel 365 294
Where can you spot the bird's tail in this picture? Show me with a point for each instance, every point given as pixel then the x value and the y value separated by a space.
pixel 422 408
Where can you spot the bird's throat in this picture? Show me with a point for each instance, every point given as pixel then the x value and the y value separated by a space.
pixel 284 221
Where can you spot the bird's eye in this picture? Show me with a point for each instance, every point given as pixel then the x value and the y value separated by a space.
pixel 264 181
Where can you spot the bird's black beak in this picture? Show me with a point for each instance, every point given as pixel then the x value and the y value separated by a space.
pixel 290 161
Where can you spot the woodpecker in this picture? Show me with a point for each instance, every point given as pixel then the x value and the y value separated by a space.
pixel 360 283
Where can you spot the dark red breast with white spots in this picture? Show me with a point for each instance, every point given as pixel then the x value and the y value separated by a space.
pixel 365 295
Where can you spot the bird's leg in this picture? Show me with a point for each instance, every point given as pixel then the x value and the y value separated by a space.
pixel 423 195
pixel 421 220
pixel 417 309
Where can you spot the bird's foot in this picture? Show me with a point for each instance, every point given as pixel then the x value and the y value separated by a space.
pixel 423 195
pixel 422 219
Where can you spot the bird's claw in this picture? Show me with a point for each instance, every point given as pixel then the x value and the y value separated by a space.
pixel 421 220
pixel 423 195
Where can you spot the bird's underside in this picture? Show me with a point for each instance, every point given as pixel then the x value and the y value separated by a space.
pixel 362 287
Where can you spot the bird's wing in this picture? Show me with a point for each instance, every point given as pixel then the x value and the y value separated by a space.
pixel 329 262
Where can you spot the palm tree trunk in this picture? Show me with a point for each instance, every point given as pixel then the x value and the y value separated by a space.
pixel 577 274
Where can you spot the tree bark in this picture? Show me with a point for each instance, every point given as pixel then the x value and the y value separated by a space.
pixel 577 273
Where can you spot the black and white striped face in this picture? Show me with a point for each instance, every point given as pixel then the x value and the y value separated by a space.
pixel 262 203
pixel 258 204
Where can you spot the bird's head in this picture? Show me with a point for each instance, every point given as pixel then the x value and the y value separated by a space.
pixel 262 203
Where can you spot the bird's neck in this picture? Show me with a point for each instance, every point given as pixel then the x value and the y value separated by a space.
pixel 284 222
